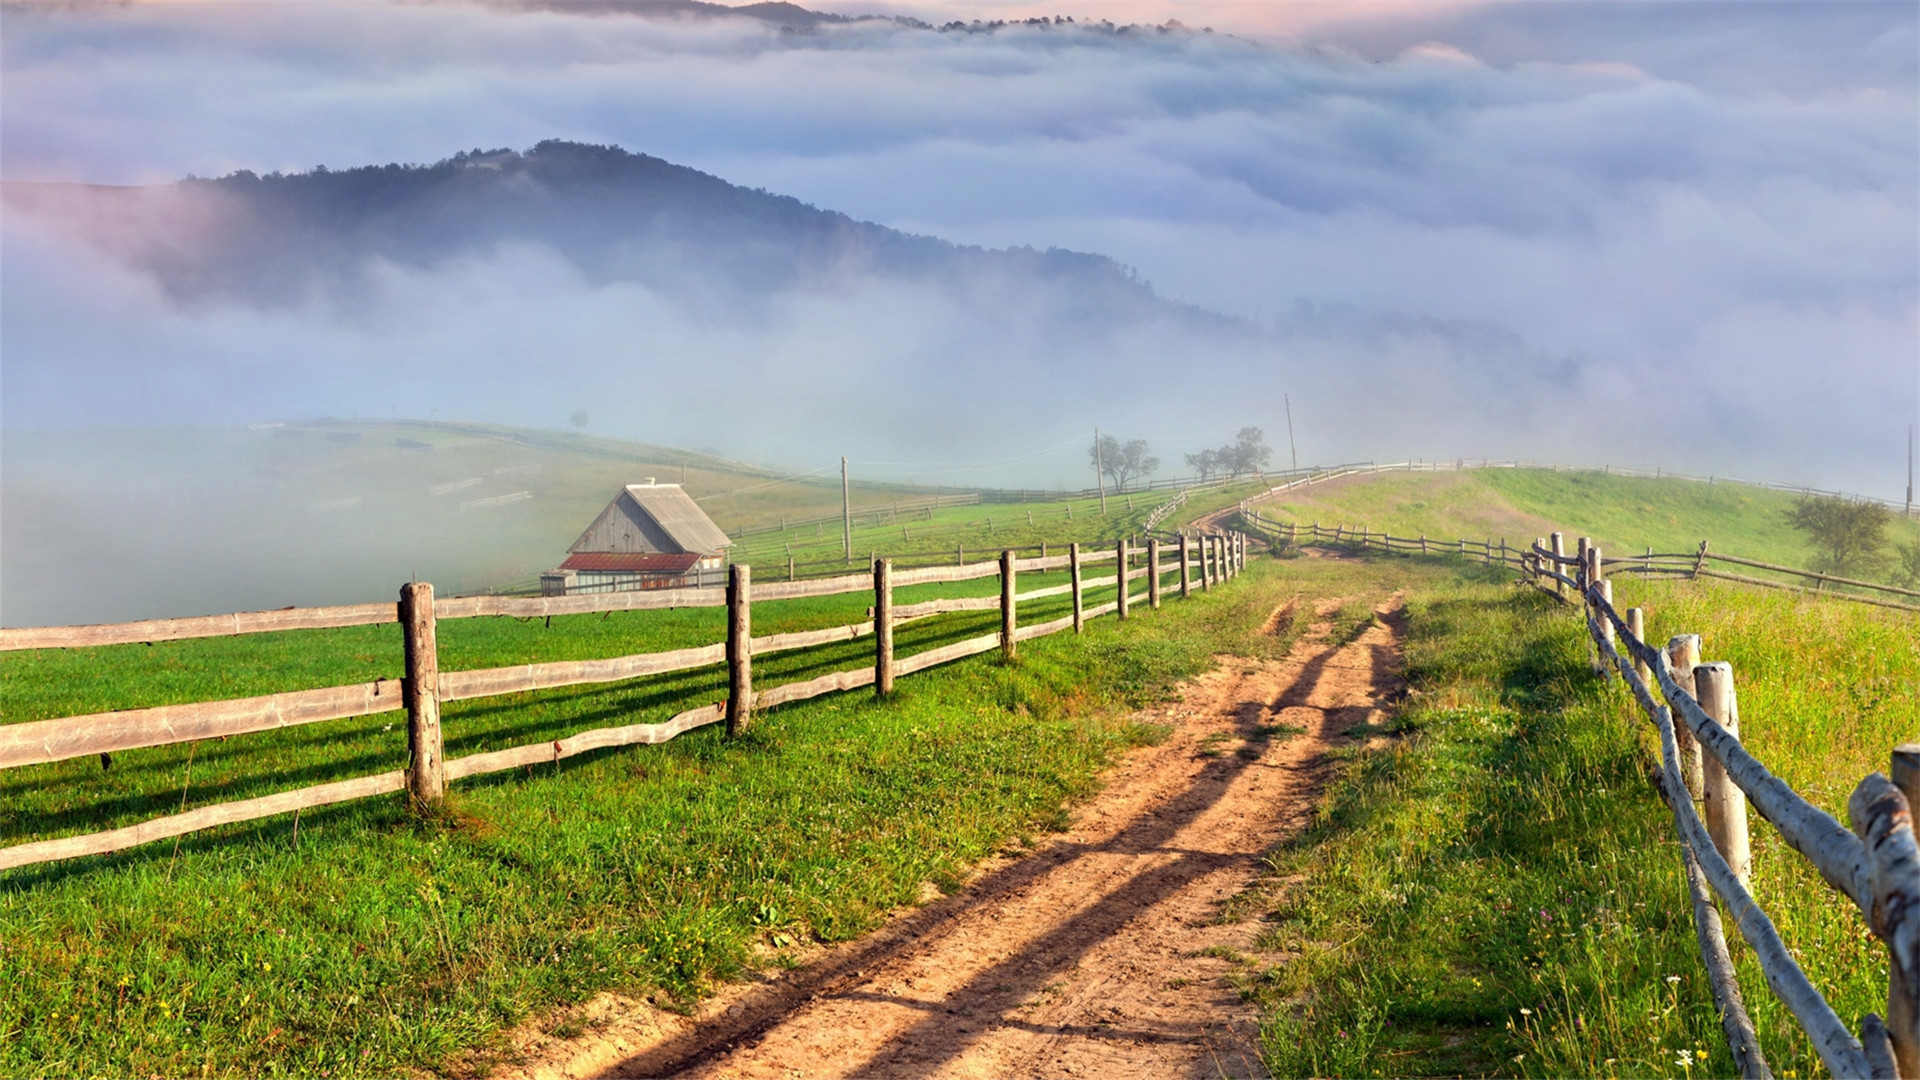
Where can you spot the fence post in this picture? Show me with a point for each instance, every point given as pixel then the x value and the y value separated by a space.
pixel 882 627
pixel 1637 626
pixel 1073 569
pixel 1121 558
pixel 1006 604
pixel 1186 568
pixel 1683 655
pixel 1606 631
pixel 1423 543
pixel 1700 560
pixel 1580 568
pixel 1153 573
pixel 1559 552
pixel 1206 562
pixel 1903 998
pixel 739 650
pixel 426 753
pixel 1726 803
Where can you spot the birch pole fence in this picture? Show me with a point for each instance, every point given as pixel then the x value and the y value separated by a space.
pixel 1694 707
pixel 425 688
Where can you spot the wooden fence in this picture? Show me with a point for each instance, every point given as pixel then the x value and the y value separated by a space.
pixel 1876 865
pixel 1200 563
pixel 1687 564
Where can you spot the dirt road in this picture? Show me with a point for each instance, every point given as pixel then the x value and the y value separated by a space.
pixel 1109 951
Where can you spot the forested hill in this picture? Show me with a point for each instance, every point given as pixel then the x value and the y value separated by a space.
pixel 617 216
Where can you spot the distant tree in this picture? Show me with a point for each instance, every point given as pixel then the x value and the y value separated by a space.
pixel 1849 535
pixel 578 419
pixel 1122 461
pixel 1205 463
pixel 1249 452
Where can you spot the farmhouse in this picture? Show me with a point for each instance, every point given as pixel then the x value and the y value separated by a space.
pixel 651 536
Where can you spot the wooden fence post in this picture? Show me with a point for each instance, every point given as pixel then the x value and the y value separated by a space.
pixel 1683 655
pixel 1903 998
pixel 1606 632
pixel 1186 568
pixel 1580 563
pixel 882 627
pixel 1121 558
pixel 1637 626
pixel 1006 605
pixel 426 752
pixel 1559 551
pixel 1700 560
pixel 739 650
pixel 1153 573
pixel 1726 803
pixel 1206 562
pixel 1073 568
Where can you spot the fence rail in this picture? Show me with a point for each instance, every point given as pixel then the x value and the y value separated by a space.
pixel 1210 559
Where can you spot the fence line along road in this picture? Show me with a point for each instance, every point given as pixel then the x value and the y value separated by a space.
pixel 1692 564
pixel 1210 559
pixel 1876 865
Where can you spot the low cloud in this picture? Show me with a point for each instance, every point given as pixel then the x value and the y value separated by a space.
pixel 1673 234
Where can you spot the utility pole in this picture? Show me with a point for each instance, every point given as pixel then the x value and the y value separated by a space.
pixel 1293 449
pixel 1100 471
pixel 846 511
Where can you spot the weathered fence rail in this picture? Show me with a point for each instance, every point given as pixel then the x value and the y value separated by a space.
pixel 424 688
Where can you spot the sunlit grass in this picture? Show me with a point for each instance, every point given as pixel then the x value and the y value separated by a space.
pixel 1500 893
pixel 379 943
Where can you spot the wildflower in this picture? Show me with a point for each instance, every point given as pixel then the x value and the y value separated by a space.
pixel 1524 1011
pixel 1673 979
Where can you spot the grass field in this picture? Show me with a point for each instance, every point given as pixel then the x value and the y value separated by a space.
pixel 1624 515
pixel 979 531
pixel 1490 887
pixel 1496 890
pixel 377 942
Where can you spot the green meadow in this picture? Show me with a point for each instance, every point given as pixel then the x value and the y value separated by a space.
pixel 1624 515
pixel 365 940
pixel 1492 887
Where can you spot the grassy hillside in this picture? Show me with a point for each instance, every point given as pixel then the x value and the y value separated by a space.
pixel 974 531
pixel 1623 514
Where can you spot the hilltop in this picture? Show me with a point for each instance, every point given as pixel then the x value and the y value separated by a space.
pixel 281 238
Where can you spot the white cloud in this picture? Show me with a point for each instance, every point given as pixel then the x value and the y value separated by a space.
pixel 1702 192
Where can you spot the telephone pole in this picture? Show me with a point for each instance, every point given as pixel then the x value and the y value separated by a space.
pixel 846 511
pixel 1100 471
pixel 1291 448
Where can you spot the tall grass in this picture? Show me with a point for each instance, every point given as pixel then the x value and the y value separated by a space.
pixel 1499 893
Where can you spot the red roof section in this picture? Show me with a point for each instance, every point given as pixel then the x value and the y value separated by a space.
pixel 635 563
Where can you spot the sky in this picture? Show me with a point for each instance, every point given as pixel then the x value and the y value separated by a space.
pixel 1634 233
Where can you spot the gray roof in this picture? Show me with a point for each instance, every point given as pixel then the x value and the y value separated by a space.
pixel 653 517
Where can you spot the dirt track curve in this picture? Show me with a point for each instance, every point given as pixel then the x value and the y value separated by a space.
pixel 1108 952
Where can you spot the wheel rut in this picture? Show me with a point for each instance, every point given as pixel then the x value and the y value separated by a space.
pixel 1111 950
